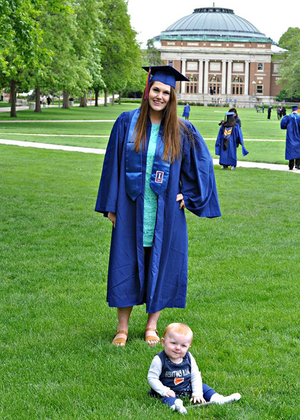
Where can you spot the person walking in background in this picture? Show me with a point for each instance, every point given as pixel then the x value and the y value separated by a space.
pixel 291 123
pixel 230 136
pixel 269 111
pixel 186 111
pixel 283 110
pixel 155 165
pixel 278 110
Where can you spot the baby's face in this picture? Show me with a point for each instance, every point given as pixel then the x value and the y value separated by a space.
pixel 176 345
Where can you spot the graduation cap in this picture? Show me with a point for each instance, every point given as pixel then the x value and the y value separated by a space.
pixel 164 74
pixel 295 108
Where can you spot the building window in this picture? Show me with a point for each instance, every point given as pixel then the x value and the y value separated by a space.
pixel 191 87
pixel 237 85
pixel 259 89
pixel 192 65
pixel 170 62
pixel 192 77
pixel 260 66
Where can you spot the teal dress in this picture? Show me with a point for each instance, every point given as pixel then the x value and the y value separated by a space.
pixel 150 198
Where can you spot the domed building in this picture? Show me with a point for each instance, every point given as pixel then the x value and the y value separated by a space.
pixel 225 57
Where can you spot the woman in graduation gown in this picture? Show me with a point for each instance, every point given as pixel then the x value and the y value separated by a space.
pixel 291 123
pixel 155 165
pixel 229 138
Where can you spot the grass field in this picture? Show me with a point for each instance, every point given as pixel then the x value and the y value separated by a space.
pixel 84 133
pixel 56 360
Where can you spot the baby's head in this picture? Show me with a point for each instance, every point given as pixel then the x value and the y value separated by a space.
pixel 177 339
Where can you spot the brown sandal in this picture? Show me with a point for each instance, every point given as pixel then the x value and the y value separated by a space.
pixel 120 341
pixel 152 340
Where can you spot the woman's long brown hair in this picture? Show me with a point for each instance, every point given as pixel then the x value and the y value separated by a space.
pixel 171 131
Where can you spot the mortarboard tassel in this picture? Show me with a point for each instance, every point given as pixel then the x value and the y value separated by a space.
pixel 147 84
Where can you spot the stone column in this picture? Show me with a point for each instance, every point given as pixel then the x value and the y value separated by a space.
pixel 200 77
pixel 223 77
pixel 183 72
pixel 206 77
pixel 247 63
pixel 229 77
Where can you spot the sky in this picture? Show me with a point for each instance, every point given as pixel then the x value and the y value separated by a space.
pixel 150 18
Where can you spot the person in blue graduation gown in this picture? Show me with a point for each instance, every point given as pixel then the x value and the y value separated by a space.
pixel 181 176
pixel 291 123
pixel 229 138
pixel 186 111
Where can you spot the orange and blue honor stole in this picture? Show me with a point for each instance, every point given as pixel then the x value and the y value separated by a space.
pixel 160 169
pixel 176 376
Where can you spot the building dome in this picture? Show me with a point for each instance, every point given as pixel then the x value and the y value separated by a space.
pixel 214 24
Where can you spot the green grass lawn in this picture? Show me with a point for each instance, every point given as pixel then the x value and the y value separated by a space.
pixel 254 126
pixel 56 360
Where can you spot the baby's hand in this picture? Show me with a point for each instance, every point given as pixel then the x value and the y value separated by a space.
pixel 170 393
pixel 198 400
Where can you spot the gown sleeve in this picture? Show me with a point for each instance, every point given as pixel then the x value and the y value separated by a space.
pixel 284 122
pixel 218 141
pixel 197 177
pixel 240 140
pixel 109 183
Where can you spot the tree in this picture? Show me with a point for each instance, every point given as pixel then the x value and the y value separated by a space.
pixel 71 37
pixel 289 69
pixel 289 39
pixel 20 41
pixel 152 55
pixel 120 52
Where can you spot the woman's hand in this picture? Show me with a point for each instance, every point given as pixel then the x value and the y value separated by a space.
pixel 198 400
pixel 180 198
pixel 112 218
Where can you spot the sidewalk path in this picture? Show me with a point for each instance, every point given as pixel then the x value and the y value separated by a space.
pixel 241 164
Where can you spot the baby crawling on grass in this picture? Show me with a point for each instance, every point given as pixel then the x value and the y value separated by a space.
pixel 174 373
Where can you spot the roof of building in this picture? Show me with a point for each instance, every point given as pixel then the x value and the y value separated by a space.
pixel 215 24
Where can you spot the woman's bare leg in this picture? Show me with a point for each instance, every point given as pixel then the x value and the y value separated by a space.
pixel 151 335
pixel 123 321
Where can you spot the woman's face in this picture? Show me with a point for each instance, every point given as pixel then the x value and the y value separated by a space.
pixel 159 96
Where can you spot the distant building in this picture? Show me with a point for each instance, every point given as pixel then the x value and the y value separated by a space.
pixel 225 57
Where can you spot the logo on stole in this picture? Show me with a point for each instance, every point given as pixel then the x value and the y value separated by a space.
pixel 178 381
pixel 159 177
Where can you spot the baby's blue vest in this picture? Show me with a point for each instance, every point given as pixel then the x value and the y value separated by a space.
pixel 176 376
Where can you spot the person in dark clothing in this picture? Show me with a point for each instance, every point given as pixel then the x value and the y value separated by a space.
pixel 269 112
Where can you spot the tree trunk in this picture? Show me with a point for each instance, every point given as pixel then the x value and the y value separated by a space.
pixel 96 96
pixel 105 97
pixel 113 98
pixel 120 98
pixel 83 100
pixel 65 100
pixel 13 99
pixel 38 107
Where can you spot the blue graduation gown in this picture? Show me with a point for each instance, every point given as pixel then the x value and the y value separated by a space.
pixel 193 176
pixel 228 157
pixel 291 123
pixel 186 111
